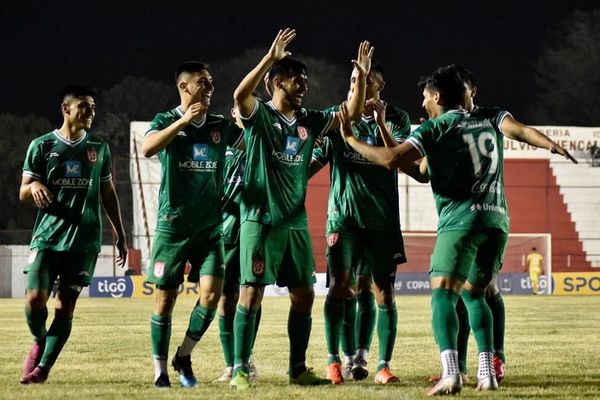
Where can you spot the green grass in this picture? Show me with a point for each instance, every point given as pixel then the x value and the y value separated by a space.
pixel 552 345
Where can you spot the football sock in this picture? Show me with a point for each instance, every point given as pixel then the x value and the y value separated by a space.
pixel 365 319
pixel 348 338
pixel 57 336
pixel 256 325
pixel 200 320
pixel 444 319
pixel 387 326
pixel 36 320
pixel 226 336
pixel 464 329
pixel 160 336
pixel 299 325
pixel 243 330
pixel 480 318
pixel 334 318
pixel 496 304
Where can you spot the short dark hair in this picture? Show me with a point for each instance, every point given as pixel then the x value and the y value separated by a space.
pixel 465 74
pixel 190 67
pixel 377 68
pixel 287 67
pixel 77 91
pixel 448 82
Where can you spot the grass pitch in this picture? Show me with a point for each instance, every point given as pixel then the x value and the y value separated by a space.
pixel 552 346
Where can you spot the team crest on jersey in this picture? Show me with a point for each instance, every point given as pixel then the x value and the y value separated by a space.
pixel 332 239
pixel 92 155
pixel 216 136
pixel 159 269
pixel 258 266
pixel 302 132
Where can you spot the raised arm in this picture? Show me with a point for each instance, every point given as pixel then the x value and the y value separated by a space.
pixel 242 97
pixel 362 65
pixel 113 212
pixel 513 129
pixel 156 141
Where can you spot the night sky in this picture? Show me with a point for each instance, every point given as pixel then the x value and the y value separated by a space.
pixel 47 44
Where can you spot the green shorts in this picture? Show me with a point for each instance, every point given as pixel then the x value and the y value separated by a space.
pixel 172 251
pixel 469 255
pixel 270 254
pixel 365 252
pixel 74 269
pixel 232 268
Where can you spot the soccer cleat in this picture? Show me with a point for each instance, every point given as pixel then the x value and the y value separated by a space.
pixel 33 357
pixel 38 375
pixel 436 378
pixel 308 378
pixel 347 372
pixel 385 376
pixel 451 384
pixel 162 382
pixel 252 372
pixel 334 373
pixel 240 381
pixel 225 376
pixel 498 368
pixel 183 365
pixel 359 369
pixel 487 383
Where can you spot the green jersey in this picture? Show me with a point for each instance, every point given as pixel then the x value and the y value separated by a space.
pixel 279 151
pixel 233 180
pixel 189 198
pixel 72 171
pixel 466 168
pixel 362 194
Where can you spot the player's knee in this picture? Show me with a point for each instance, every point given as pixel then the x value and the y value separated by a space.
pixel 210 299
pixel 36 299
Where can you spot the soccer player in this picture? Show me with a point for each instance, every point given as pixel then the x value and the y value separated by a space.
pixel 535 268
pixel 191 145
pixel 274 239
pixel 67 174
pixel 363 238
pixel 464 164
pixel 233 179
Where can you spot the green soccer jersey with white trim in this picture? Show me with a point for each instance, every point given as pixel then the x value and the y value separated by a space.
pixel 466 168
pixel 362 194
pixel 233 180
pixel 72 171
pixel 189 198
pixel 279 151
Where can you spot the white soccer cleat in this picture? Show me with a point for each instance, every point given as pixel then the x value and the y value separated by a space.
pixel 347 372
pixel 225 377
pixel 487 383
pixel 451 384
pixel 252 372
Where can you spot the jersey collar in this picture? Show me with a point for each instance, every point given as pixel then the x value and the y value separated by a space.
pixel 286 120
pixel 68 142
pixel 195 124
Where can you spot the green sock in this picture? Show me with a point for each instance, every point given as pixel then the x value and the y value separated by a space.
pixel 36 320
pixel 444 319
pixel 480 318
pixel 160 336
pixel 348 338
pixel 463 334
pixel 256 324
pixel 334 317
pixel 387 326
pixel 226 336
pixel 57 336
pixel 365 319
pixel 243 330
pixel 299 325
pixel 496 304
pixel 200 320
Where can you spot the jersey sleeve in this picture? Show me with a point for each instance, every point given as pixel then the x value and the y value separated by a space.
pixel 322 151
pixel 158 124
pixel 34 166
pixel 400 126
pixel 235 135
pixel 250 119
pixel 106 171
pixel 421 136
pixel 499 118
